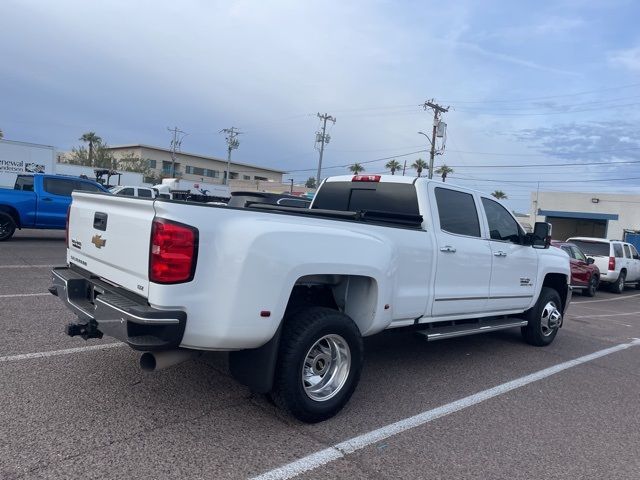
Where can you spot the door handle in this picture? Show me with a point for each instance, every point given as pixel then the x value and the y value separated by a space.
pixel 500 253
pixel 47 199
pixel 448 248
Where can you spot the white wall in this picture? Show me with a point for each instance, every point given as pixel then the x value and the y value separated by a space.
pixel 21 157
pixel 627 207
pixel 127 178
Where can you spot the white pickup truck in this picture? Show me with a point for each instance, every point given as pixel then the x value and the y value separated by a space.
pixel 291 292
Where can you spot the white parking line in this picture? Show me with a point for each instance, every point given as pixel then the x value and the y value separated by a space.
pixel 607 315
pixel 18 295
pixel 340 450
pixel 607 299
pixel 27 266
pixel 55 353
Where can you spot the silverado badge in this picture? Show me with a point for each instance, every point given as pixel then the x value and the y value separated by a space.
pixel 98 241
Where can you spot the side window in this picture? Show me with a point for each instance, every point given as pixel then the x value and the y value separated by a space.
pixel 567 250
pixel 627 251
pixel 144 192
pixel 457 212
pixel 502 226
pixel 578 255
pixel 59 186
pixel 24 183
pixel 617 250
pixel 634 253
pixel 126 191
pixel 87 187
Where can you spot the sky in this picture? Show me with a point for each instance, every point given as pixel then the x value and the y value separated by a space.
pixel 542 95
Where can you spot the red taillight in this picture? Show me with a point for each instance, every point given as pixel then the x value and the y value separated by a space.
pixel 66 227
pixel 612 263
pixel 174 251
pixel 366 178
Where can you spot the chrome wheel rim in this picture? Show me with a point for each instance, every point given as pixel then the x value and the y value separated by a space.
pixel 550 319
pixel 326 367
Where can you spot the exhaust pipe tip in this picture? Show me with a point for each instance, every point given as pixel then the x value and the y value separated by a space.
pixel 148 362
pixel 152 361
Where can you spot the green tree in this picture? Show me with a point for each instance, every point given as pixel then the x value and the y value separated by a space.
pixel 1 134
pixel 392 165
pixel 92 139
pixel 419 165
pixel 311 182
pixel 443 171
pixel 101 157
pixel 356 168
pixel 499 194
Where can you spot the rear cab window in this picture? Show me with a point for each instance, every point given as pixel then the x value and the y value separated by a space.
pixel 398 198
pixel 593 249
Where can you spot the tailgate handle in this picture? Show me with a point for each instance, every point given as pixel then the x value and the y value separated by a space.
pixel 100 221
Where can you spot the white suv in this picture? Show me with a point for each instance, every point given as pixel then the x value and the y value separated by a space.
pixel 619 262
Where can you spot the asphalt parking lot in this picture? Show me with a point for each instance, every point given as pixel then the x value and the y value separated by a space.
pixel 71 412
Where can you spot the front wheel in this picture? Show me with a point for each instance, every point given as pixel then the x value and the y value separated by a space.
pixel 618 285
pixel 7 226
pixel 544 319
pixel 591 289
pixel 318 365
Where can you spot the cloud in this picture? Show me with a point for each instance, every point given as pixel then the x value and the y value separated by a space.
pixel 629 58
pixel 590 141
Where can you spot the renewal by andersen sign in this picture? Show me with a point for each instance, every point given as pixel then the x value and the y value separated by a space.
pixel 19 166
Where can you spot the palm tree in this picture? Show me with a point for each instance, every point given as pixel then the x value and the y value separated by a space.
pixel 419 165
pixel 499 194
pixel 92 139
pixel 356 168
pixel 443 171
pixel 392 165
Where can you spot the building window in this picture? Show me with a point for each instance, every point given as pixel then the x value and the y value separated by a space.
pixel 233 175
pixel 167 170
pixel 264 179
pixel 197 171
pixel 246 177
pixel 188 169
pixel 152 163
pixel 212 173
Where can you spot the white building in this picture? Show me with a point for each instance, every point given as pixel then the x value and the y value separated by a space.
pixel 604 215
pixel 21 157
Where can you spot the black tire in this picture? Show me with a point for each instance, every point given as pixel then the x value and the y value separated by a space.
pixel 304 331
pixel 638 285
pixel 7 226
pixel 618 285
pixel 592 287
pixel 538 331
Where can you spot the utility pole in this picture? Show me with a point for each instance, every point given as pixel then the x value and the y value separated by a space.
pixel 437 110
pixel 322 139
pixel 291 191
pixel 404 167
pixel 176 143
pixel 232 143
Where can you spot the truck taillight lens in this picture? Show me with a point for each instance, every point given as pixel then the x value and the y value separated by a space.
pixel 612 263
pixel 174 251
pixel 66 226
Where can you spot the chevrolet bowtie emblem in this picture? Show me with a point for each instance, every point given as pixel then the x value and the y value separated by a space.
pixel 98 241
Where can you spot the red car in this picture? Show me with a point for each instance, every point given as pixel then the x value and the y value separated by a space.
pixel 585 276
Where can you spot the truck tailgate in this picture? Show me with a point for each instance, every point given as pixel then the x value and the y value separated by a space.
pixel 109 236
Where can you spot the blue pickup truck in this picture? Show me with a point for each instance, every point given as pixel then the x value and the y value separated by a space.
pixel 39 201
